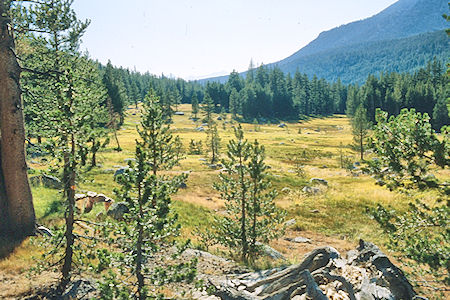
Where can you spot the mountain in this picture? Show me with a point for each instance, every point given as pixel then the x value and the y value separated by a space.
pixel 401 38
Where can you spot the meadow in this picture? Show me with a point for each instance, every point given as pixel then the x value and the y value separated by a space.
pixel 336 215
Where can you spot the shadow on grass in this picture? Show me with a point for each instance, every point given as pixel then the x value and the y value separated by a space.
pixel 8 245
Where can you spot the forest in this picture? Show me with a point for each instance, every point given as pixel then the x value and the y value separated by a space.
pixel 220 179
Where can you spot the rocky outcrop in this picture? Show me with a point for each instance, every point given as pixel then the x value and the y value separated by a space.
pixel 365 273
pixel 47 181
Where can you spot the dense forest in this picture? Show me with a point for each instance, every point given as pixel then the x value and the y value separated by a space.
pixel 268 94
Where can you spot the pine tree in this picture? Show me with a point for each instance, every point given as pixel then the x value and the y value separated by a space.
pixel 235 106
pixel 208 109
pixel 150 223
pixel 195 107
pixel 360 129
pixel 251 213
pixel 440 114
pixel 213 141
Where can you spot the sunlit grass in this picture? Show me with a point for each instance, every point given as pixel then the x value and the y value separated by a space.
pixel 339 210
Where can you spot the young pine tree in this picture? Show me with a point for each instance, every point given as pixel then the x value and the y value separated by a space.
pixel 251 213
pixel 360 129
pixel 195 107
pixel 150 223
pixel 213 141
pixel 208 109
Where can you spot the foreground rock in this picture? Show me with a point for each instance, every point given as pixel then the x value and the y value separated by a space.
pixel 365 273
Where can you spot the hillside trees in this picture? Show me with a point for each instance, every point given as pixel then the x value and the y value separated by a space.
pixel 17 218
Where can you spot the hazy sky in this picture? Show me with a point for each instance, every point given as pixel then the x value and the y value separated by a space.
pixel 200 38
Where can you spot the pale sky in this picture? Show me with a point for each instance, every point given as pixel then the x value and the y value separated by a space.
pixel 195 39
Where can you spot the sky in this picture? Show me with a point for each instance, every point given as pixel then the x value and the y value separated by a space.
pixel 195 39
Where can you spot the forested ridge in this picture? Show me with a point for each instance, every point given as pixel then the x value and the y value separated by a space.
pixel 268 94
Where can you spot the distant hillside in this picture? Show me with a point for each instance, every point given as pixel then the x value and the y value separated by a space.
pixel 354 63
pixel 402 38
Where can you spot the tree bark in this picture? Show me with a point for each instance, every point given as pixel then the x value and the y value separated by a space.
pixel 16 201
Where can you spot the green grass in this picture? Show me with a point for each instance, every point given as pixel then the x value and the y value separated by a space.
pixel 338 211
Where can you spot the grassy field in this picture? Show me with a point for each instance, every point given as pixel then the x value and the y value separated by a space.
pixel 336 215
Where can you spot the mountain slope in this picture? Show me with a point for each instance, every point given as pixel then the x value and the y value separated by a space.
pixel 402 19
pixel 352 64
pixel 401 38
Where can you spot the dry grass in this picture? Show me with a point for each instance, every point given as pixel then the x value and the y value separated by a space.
pixel 335 216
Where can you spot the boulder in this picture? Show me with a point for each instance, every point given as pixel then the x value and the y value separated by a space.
pixel 178 113
pixel 299 240
pixel 282 125
pixel 47 181
pixel 201 129
pixel 365 273
pixel 120 171
pixel 311 190
pixel 118 210
pixel 285 190
pixel 318 181
pixel 270 252
pixel 290 222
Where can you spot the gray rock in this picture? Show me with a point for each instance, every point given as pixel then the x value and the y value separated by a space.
pixel 201 129
pixel 270 252
pixel 311 190
pixel 282 125
pixel 118 210
pixel 126 160
pixel 290 222
pixel 202 159
pixel 178 113
pixel 318 181
pixel 120 171
pixel 108 171
pixel 285 190
pixel 47 181
pixel 299 240
pixel 183 185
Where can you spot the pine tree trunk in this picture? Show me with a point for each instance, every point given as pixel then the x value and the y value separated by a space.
pixel 16 201
pixel 69 189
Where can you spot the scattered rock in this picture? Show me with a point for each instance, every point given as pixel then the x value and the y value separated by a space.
pixel 318 181
pixel 290 222
pixel 85 202
pixel 299 240
pixel 270 252
pixel 285 190
pixel 120 171
pixel 47 181
pixel 311 190
pixel 117 210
